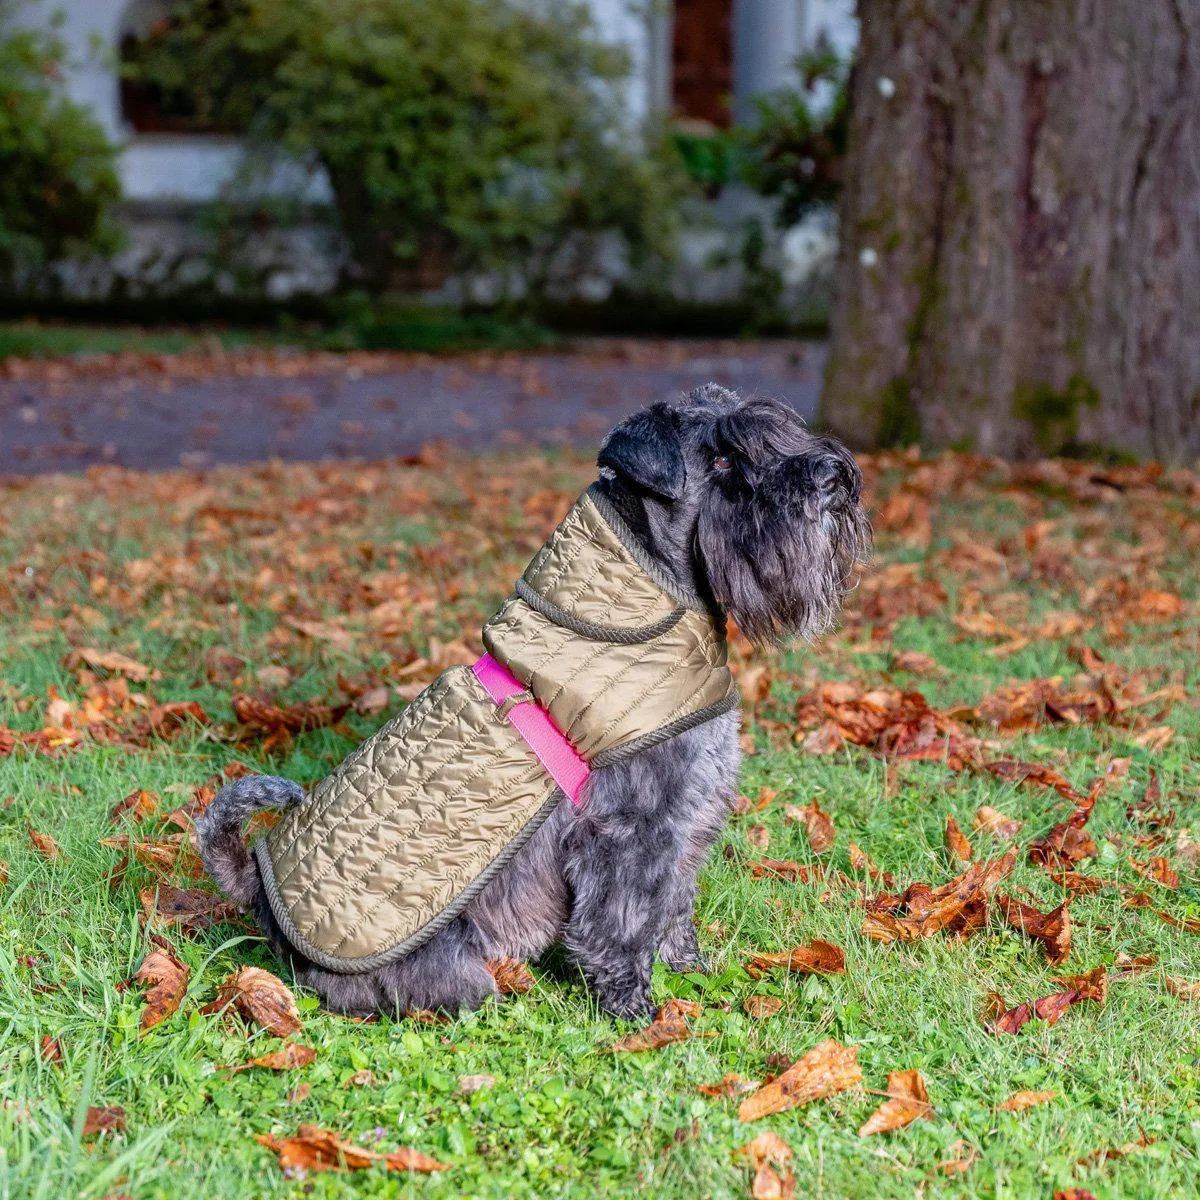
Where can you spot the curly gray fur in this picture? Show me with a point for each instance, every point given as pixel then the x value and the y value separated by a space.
pixel 737 502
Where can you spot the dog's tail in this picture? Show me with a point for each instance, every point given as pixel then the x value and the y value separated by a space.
pixel 223 849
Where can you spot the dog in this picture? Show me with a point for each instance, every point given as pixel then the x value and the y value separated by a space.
pixel 739 503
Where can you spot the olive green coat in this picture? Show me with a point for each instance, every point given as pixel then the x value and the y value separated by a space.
pixel 395 842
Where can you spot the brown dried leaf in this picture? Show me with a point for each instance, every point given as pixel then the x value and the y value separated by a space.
pixel 140 803
pixel 1185 989
pixel 315 1149
pixel 112 661
pixel 732 1085
pixel 44 844
pixel 965 1156
pixel 260 997
pixel 1003 1019
pixel 759 836
pixel 103 1120
pixel 817 958
pixel 1052 929
pixel 1091 985
pixel 1098 1158
pixel 992 821
pixel 819 827
pixel 191 909
pixel 932 909
pixel 956 842
pixel 50 1050
pixel 823 1071
pixel 469 1084
pixel 679 1010
pixel 1024 772
pixel 289 1057
pixel 1051 1008
pixel 512 975
pixel 1157 870
pixel 770 1185
pixel 759 1007
pixel 168 978
pixel 294 718
pixel 1141 900
pixel 1020 1101
pixel 907 1100
pixel 655 1036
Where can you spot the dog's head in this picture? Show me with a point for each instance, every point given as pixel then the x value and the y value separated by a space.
pixel 736 498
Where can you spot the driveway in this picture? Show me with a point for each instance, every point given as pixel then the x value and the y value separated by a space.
pixel 198 410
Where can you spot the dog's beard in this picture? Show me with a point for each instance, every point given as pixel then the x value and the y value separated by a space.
pixel 780 563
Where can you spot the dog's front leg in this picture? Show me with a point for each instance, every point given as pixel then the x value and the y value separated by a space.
pixel 622 866
pixel 707 764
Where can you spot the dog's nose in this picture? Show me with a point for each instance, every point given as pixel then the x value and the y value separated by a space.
pixel 832 478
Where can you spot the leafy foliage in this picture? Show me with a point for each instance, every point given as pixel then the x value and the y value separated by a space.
pixel 797 149
pixel 456 134
pixel 57 178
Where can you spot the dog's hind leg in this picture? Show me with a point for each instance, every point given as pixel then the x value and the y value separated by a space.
pixel 448 973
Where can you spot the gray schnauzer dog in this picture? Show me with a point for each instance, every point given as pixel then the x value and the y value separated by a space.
pixel 740 503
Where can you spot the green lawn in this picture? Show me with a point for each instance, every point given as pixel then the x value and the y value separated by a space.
pixel 211 578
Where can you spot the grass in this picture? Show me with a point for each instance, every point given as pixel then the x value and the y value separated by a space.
pixel 196 575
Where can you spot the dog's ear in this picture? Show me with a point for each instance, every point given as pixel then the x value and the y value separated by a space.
pixel 646 449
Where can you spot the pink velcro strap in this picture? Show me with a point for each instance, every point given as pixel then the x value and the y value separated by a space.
pixel 549 745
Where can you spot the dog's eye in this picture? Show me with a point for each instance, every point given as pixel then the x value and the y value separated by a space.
pixel 722 462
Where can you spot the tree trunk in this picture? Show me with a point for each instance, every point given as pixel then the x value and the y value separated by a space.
pixel 1020 261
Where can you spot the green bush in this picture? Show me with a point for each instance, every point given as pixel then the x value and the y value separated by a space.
pixel 456 134
pixel 796 150
pixel 57 175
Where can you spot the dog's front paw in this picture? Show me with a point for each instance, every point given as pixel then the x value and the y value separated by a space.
pixel 629 1008
pixel 688 963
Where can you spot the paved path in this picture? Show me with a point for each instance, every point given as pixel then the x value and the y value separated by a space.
pixel 162 413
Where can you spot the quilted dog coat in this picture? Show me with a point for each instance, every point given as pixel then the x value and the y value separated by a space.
pixel 392 845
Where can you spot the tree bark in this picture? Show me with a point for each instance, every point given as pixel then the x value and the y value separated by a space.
pixel 1020 261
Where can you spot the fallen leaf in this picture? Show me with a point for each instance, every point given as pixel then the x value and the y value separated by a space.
pixel 1092 985
pixel 260 997
pixel 1051 1008
pixel 825 1070
pixel 931 909
pixel 1097 1158
pixel 1075 1193
pixel 956 842
pixel 1157 738
pixel 315 1149
pixel 1023 772
pixel 1141 900
pixel 1185 989
pixel 760 1007
pixel 467 1084
pixel 103 1120
pixel 114 661
pixel 989 820
pixel 817 824
pixel 1125 965
pixel 732 1085
pixel 168 978
pixel 759 836
pixel 513 976
pixel 1020 1101
pixel 655 1036
pixel 191 909
pixel 140 803
pixel 817 958
pixel 50 1050
pixel 44 844
pixel 1157 870
pixel 289 1057
pixel 679 1010
pixel 1052 929
pixel 913 662
pixel 965 1153
pixel 765 1153
pixel 907 1100
pixel 1004 1019
pixel 294 718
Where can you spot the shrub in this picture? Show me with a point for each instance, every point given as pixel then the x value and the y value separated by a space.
pixel 797 149
pixel 456 134
pixel 57 175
